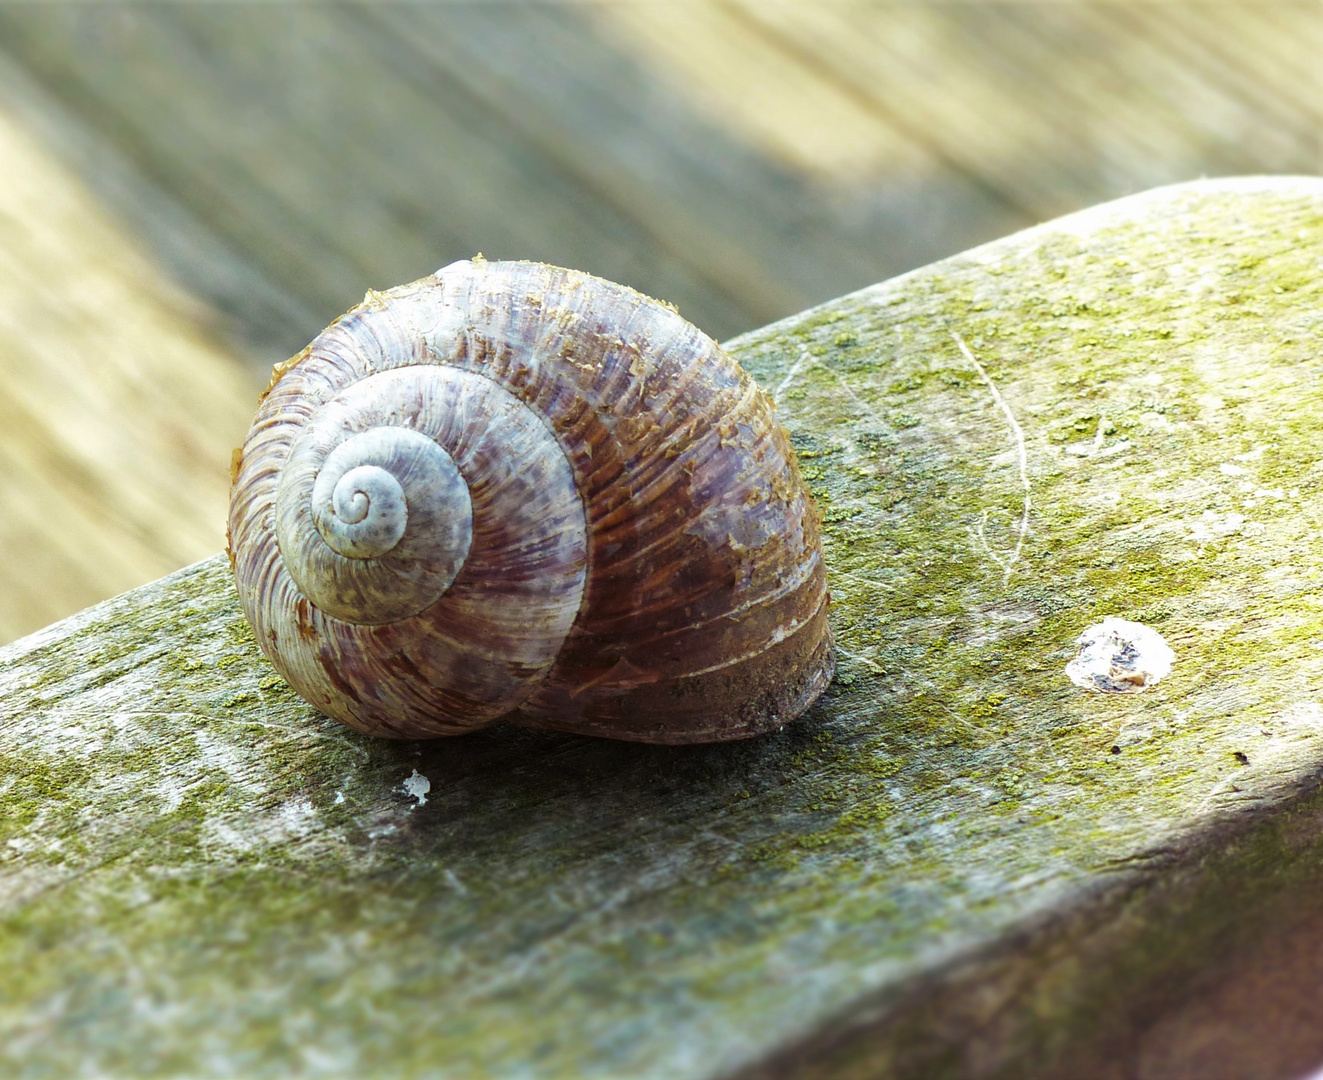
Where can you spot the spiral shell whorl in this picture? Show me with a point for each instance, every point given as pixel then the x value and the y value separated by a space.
pixel 391 522
pixel 492 544
pixel 364 514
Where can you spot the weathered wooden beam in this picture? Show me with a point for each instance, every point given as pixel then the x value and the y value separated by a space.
pixel 958 864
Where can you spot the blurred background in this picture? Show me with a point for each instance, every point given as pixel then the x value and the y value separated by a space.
pixel 190 191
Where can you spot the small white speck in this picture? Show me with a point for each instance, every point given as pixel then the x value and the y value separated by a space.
pixel 339 797
pixel 418 786
pixel 1117 656
pixel 1228 469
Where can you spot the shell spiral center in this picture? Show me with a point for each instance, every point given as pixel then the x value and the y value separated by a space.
pixel 383 527
pixel 366 514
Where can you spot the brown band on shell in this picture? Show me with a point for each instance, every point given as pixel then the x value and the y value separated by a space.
pixel 756 694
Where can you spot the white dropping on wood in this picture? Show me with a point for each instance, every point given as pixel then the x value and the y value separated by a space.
pixel 417 786
pixel 1117 656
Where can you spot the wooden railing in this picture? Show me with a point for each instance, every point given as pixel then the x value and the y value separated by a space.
pixel 958 864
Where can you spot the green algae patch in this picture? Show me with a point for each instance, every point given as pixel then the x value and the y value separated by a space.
pixel 1112 415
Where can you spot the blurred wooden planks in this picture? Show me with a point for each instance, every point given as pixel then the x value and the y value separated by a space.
pixel 1049 105
pixel 117 415
pixel 338 146
pixel 741 159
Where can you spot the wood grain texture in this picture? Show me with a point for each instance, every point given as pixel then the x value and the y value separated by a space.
pixel 117 412
pixel 957 865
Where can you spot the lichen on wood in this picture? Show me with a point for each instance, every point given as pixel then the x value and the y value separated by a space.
pixel 204 877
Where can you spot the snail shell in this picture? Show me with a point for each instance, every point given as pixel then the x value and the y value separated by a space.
pixel 512 490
